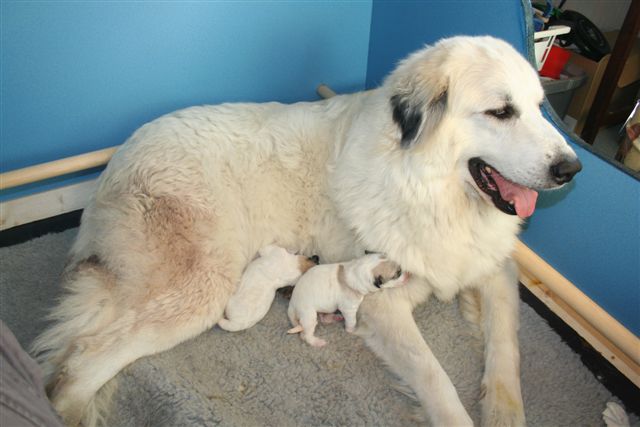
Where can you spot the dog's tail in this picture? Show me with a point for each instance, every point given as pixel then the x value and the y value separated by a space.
pixel 87 307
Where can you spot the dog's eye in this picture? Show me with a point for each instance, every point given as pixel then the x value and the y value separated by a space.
pixel 503 113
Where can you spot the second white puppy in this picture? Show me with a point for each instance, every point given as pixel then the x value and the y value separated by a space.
pixel 274 269
pixel 341 286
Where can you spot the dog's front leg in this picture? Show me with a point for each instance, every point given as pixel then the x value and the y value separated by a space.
pixel 386 323
pixel 502 399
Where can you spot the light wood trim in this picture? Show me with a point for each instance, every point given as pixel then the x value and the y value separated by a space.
pixel 599 342
pixel 56 168
pixel 46 204
pixel 325 91
pixel 563 290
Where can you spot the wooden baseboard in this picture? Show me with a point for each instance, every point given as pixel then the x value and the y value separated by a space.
pixel 47 204
pixel 601 331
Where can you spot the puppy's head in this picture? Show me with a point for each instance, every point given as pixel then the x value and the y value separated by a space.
pixel 388 274
pixel 289 266
pixel 372 273
pixel 305 263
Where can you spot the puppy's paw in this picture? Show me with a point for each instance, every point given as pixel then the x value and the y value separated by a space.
pixel 501 406
pixel 317 342
pixel 350 329
pixel 329 318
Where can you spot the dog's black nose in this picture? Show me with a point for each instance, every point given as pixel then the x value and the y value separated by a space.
pixel 564 170
pixel 315 259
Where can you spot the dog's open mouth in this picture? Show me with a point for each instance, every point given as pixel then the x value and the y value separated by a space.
pixel 509 197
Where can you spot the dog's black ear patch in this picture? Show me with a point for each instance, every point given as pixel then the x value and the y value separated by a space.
pixel 414 117
pixel 408 117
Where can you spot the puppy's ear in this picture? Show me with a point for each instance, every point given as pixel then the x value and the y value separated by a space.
pixel 378 281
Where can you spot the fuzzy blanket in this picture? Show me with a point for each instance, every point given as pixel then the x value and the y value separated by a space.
pixel 265 377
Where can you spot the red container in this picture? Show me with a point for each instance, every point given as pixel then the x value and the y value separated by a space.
pixel 555 62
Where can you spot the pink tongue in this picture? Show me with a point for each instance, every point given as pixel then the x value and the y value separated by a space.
pixel 523 198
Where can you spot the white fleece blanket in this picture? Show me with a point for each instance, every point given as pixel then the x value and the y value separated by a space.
pixel 264 377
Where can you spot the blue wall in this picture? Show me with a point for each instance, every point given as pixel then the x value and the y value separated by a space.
pixel 79 76
pixel 400 27
pixel 590 230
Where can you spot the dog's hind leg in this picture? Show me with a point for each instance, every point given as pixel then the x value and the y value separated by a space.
pixel 158 325
pixel 502 400
pixel 386 323
pixel 308 321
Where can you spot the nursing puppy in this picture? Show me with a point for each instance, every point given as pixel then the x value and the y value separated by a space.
pixel 342 286
pixel 273 269
pixel 436 168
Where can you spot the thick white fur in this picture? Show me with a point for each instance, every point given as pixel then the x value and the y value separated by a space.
pixel 341 286
pixel 273 269
pixel 188 200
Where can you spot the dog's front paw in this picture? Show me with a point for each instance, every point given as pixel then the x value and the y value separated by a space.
pixel 501 406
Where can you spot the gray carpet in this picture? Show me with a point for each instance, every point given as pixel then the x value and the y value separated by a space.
pixel 262 376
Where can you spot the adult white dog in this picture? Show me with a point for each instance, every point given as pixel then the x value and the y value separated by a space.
pixel 435 169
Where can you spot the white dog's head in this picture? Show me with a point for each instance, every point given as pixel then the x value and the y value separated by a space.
pixel 371 273
pixel 475 101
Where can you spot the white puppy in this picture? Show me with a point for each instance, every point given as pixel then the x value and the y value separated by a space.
pixel 274 269
pixel 341 286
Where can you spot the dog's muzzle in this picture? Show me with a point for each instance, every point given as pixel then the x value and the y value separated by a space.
pixel 509 197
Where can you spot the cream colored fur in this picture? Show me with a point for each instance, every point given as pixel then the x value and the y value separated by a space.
pixel 187 201
pixel 340 286
pixel 274 269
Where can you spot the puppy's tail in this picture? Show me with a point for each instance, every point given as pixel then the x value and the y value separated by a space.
pixel 295 330
pixel 291 312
